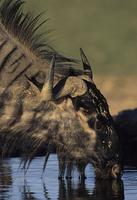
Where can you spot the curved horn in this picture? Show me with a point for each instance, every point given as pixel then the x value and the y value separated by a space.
pixel 86 65
pixel 46 92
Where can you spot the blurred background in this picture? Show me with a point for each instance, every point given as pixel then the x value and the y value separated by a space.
pixel 107 31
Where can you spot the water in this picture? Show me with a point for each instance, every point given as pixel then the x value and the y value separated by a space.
pixel 15 186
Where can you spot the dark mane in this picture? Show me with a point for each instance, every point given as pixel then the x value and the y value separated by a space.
pixel 25 28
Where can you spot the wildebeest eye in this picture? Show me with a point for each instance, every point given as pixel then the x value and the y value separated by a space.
pixel 84 110
pixel 98 125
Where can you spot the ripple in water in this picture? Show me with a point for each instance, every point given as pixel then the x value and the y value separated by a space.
pixel 14 185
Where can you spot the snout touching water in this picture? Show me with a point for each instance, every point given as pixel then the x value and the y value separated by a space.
pixel 15 186
pixel 109 172
pixel 116 171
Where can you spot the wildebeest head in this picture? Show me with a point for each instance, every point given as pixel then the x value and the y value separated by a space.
pixel 92 111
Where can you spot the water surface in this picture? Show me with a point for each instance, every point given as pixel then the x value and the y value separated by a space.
pixel 14 185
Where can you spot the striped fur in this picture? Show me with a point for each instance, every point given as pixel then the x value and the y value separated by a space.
pixel 21 52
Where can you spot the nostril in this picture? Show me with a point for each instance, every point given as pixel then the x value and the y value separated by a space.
pixel 116 171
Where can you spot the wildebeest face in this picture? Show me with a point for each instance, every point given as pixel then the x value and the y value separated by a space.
pixel 107 151
pixel 106 156
pixel 93 105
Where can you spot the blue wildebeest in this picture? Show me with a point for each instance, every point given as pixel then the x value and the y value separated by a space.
pixel 51 105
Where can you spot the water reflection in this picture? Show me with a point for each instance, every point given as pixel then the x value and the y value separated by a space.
pixel 5 180
pixel 26 193
pixel 104 190
pixel 109 190
pixel 14 186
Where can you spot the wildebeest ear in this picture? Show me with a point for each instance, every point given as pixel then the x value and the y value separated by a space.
pixel 86 64
pixel 73 87
pixel 33 86
pixel 47 90
pixel 46 93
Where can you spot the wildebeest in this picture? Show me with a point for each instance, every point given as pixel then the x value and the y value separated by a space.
pixel 126 125
pixel 55 105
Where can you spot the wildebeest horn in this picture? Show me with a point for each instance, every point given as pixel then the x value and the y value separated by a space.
pixel 73 87
pixel 86 65
pixel 47 90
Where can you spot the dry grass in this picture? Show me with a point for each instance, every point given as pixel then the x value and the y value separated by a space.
pixel 121 92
